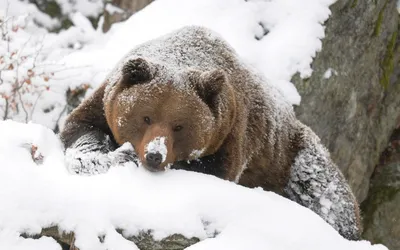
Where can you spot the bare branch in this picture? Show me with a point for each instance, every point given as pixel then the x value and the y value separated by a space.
pixel 23 106
pixel 36 101
pixel 38 52
pixel 57 128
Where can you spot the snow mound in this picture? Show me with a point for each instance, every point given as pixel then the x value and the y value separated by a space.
pixel 35 195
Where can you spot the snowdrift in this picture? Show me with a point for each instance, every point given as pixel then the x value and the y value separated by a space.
pixel 37 192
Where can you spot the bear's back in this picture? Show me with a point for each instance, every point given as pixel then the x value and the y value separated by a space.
pixel 189 47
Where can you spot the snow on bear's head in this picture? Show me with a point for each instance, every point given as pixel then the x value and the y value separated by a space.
pixel 167 114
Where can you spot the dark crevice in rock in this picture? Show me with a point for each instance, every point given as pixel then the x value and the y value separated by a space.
pixel 380 209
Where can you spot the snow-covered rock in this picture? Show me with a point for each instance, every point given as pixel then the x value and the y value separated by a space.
pixel 35 196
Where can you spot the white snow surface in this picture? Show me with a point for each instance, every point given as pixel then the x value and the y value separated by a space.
pixel 130 197
pixel 112 9
pixel 329 72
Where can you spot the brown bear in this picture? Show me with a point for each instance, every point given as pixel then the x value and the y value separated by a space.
pixel 187 101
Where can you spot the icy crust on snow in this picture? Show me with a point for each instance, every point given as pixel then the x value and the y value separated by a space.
pixel 316 183
pixel 130 197
pixel 278 37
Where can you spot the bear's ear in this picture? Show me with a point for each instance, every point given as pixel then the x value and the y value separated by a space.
pixel 136 71
pixel 209 85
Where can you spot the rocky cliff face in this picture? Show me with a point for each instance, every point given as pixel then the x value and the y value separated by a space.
pixel 352 99
pixel 381 208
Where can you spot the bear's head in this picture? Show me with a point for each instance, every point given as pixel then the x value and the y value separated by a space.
pixel 169 115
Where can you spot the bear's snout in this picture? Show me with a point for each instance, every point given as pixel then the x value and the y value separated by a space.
pixel 155 150
pixel 153 161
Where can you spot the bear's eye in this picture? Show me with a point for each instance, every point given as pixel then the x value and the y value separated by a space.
pixel 147 120
pixel 177 128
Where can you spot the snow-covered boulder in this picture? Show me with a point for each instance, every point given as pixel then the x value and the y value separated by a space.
pixel 104 211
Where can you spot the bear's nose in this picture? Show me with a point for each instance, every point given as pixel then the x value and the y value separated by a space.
pixel 153 159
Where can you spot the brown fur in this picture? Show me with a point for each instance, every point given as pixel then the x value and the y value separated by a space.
pixel 248 135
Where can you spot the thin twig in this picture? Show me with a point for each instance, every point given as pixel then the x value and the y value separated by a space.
pixel 23 107
pixel 57 128
pixel 34 105
pixel 37 53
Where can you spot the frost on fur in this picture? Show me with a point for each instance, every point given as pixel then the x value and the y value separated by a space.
pixel 88 157
pixel 157 146
pixel 317 183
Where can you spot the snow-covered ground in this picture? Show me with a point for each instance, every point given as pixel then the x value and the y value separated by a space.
pixel 279 37
pixel 41 195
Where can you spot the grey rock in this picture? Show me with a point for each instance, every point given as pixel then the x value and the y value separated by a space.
pixel 381 208
pixel 144 240
pixel 355 110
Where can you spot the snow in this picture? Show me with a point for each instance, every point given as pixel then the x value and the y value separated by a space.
pixel 10 240
pixel 111 9
pixel 130 197
pixel 197 153
pixel 329 72
pixel 85 7
pixel 10 9
pixel 157 145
